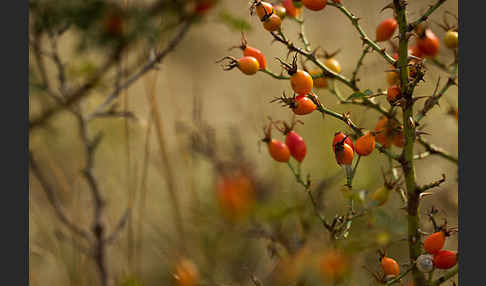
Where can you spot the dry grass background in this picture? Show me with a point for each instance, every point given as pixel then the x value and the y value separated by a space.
pixel 228 100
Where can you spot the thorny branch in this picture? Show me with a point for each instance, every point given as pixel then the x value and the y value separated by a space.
pixel 366 50
pixel 366 40
pixel 407 161
pixel 426 15
pixel 431 185
pixel 340 225
pixel 434 150
pixel 310 56
pixel 448 275
pixel 434 99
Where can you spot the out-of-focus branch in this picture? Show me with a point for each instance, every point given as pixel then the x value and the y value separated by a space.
pixel 121 224
pixel 159 56
pixel 78 94
pixel 54 201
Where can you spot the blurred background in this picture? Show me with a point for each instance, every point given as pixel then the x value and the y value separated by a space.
pixel 208 123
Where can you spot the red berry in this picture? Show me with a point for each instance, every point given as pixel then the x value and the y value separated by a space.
pixel 314 5
pixel 429 43
pixel 434 242
pixel 257 54
pixel 235 194
pixel 303 105
pixel 301 82
pixel 186 273
pixel 263 8
pixel 296 145
pixel 390 266
pixel 344 153
pixel 290 9
pixel 415 51
pixel 385 29
pixel 339 136
pixel 365 144
pixel 113 24
pixel 247 65
pixel 393 94
pixel 445 259
pixel 204 6
pixel 272 23
pixel 279 150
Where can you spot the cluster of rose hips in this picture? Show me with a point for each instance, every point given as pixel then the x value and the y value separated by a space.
pixel 427 45
pixel 294 144
pixel 271 15
pixel 388 131
pixel 436 256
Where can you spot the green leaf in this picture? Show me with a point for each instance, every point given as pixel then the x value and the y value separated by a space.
pixel 360 94
pixel 234 23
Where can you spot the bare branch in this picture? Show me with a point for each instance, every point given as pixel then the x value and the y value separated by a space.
pixel 426 15
pixel 147 67
pixel 364 37
pixel 121 224
pixel 54 201
pixel 432 185
pixel 434 150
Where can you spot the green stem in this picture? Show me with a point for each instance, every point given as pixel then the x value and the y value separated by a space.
pixel 283 77
pixel 353 126
pixel 359 64
pixel 431 276
pixel 448 275
pixel 280 37
pixel 434 150
pixel 426 15
pixel 399 277
pixel 355 167
pixel 414 238
pixel 364 37
pixel 436 98
pixel 299 180
pixel 440 65
pixel 302 35
pixel 274 75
